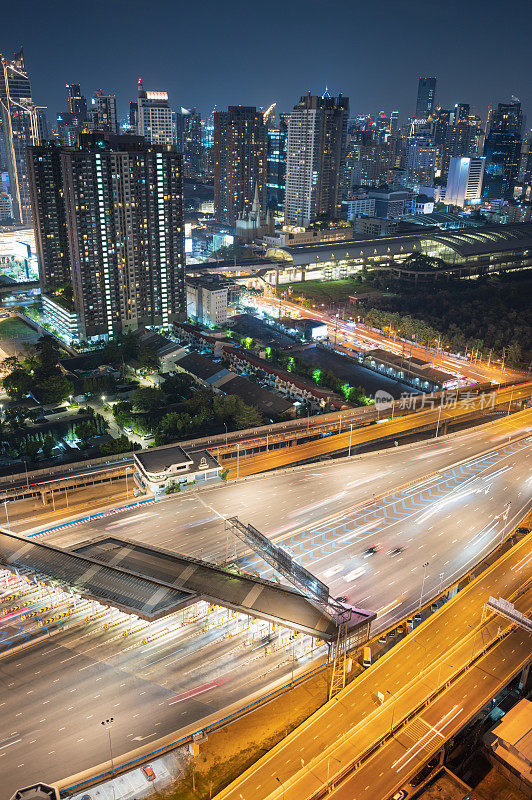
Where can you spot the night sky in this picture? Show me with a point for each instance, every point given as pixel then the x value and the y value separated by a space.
pixel 231 51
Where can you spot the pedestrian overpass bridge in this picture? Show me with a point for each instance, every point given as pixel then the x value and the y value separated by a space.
pixel 152 583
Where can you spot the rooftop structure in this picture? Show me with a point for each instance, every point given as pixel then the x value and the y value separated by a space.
pixel 485 249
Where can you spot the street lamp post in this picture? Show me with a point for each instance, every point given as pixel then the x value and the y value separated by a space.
pixel 7 517
pixel 237 460
pixel 225 425
pixel 107 724
pixel 439 417
pixel 425 565
pixel 350 437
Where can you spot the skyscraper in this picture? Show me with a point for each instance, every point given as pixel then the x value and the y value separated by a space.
pixel 155 119
pixel 240 152
pixel 192 143
pixel 456 133
pixel 102 114
pixel 276 168
pixel 426 97
pixel 317 129
pixel 71 122
pixel 420 162
pixel 77 104
pixel 502 150
pixel 47 198
pixel 120 201
pixel 23 124
pixel 464 182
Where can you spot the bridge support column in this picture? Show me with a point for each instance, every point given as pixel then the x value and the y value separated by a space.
pixel 453 592
pixel 525 679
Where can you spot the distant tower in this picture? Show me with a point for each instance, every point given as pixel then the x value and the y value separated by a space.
pixel 426 97
pixel 502 149
pixel 23 124
pixel 155 119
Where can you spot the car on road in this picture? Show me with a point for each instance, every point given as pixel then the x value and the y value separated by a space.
pixel 523 531
pixel 374 548
pixel 400 795
pixel 148 772
pixel 395 551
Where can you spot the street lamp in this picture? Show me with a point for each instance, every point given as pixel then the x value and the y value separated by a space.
pixel 425 565
pixel 237 459
pixel 350 437
pixel 107 724
pixel 103 399
pixel 225 425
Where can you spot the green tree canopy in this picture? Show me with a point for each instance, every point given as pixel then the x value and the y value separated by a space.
pixel 147 399
pixel 18 383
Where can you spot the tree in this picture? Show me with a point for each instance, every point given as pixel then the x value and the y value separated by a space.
pixel 148 358
pixel 48 352
pixel 18 383
pixel 514 354
pixel 111 353
pixel 178 385
pixel 85 431
pixel 47 446
pixel 115 446
pixel 9 364
pixel 31 449
pixel 54 389
pixel 129 345
pixel 147 399
pixel 171 427
pixel 122 412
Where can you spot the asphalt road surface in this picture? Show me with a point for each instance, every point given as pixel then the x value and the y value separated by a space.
pixel 344 730
pixel 56 693
pixel 355 336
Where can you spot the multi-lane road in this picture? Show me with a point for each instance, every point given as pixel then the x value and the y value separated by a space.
pixel 360 336
pixel 327 516
pixel 348 728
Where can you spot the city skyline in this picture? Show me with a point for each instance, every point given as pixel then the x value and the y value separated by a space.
pixel 374 61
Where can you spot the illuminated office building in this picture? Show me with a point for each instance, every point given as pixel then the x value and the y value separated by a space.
pixel 276 167
pixel 464 181
pixel 102 114
pixel 502 150
pixel 155 120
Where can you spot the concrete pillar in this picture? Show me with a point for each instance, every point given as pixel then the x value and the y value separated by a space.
pixel 525 680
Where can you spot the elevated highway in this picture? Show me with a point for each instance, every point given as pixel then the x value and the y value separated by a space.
pixel 255 450
pixel 446 508
pixel 417 688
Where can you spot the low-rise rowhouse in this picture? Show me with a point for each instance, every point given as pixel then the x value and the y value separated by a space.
pixel 296 389
pixel 509 746
pixel 413 371
pixel 162 467
pixel 213 375
pixel 292 386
